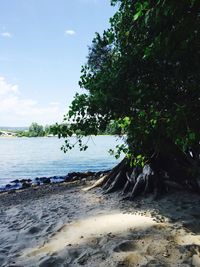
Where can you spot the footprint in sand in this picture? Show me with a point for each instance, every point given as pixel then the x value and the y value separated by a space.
pixel 93 227
pixel 33 230
pixel 126 246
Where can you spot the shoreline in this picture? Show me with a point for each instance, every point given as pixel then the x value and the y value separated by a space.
pixel 21 184
pixel 56 136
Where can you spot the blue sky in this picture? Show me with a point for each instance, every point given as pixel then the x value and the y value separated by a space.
pixel 43 44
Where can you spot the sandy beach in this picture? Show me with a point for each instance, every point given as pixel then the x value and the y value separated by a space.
pixel 62 225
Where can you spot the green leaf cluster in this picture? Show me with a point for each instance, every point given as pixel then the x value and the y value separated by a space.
pixel 143 74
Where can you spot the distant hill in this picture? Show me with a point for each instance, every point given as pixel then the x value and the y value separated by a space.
pixel 7 128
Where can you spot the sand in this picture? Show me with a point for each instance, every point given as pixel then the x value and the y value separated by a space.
pixel 63 225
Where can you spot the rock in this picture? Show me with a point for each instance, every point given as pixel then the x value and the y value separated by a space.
pixel 89 174
pixel 65 177
pixel 26 185
pixel 47 181
pixel 196 260
pixel 8 186
pixel 15 181
pixel 25 181
pixel 110 235
pixel 79 175
pixel 71 175
pixel 75 178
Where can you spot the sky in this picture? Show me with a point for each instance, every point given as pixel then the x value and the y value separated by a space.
pixel 43 44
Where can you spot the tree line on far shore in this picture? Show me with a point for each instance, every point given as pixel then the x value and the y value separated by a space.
pixel 37 130
pixel 34 130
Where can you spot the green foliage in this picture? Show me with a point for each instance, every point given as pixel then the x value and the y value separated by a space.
pixel 36 130
pixel 47 129
pixel 143 74
pixel 113 128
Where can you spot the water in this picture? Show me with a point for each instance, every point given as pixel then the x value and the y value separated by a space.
pixel 37 157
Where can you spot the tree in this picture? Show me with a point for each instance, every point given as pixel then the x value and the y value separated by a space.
pixel 47 129
pixel 35 130
pixel 143 73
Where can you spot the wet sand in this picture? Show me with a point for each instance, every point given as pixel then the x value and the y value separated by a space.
pixel 62 225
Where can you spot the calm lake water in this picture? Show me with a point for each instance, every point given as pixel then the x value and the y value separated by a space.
pixel 37 157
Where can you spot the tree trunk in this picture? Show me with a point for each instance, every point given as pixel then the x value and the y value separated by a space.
pixel 168 168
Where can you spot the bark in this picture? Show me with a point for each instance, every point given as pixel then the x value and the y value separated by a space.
pixel 168 169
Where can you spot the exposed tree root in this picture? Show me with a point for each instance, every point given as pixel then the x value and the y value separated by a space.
pixel 169 169
pixel 98 183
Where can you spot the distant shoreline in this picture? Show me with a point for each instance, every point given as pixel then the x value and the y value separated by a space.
pixel 12 136
pixel 48 136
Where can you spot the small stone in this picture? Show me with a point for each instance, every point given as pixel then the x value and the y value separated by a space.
pixel 26 185
pixel 110 235
pixel 196 260
pixel 166 254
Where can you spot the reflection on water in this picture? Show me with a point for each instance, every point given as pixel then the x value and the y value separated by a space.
pixel 36 157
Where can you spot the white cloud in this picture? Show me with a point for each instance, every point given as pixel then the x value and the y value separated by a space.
pixel 15 110
pixel 6 34
pixel 6 88
pixel 70 32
